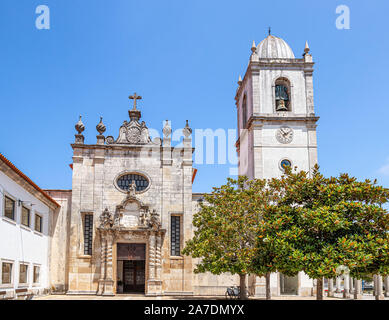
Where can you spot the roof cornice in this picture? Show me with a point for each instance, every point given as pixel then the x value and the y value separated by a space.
pixel 18 176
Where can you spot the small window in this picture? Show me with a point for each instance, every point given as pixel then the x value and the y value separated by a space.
pixel 25 217
pixel 175 237
pixel 244 112
pixel 282 94
pixel 124 182
pixel 6 273
pixel 23 272
pixel 37 270
pixel 38 223
pixel 88 234
pixel 9 208
pixel 285 163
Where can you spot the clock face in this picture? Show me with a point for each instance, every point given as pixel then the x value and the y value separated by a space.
pixel 285 163
pixel 284 135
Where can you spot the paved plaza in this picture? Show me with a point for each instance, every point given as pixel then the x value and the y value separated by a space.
pixel 338 296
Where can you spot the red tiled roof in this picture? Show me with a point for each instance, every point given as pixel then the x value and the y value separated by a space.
pixel 27 179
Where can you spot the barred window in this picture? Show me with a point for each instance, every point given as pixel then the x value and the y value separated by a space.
pixel 124 182
pixel 175 236
pixel 9 208
pixel 25 217
pixel 244 112
pixel 88 234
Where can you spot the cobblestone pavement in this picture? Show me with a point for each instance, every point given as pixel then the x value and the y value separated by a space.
pixel 337 297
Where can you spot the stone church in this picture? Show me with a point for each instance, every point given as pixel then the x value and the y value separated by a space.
pixel 122 226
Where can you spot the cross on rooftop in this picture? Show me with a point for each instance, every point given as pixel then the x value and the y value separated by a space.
pixel 135 97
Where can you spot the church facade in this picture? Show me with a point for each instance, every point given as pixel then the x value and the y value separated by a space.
pixel 122 226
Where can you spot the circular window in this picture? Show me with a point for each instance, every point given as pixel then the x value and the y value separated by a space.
pixel 285 163
pixel 124 182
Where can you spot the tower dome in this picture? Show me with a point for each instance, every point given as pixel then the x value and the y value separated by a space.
pixel 274 48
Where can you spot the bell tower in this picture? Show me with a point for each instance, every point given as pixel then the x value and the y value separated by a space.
pixel 275 111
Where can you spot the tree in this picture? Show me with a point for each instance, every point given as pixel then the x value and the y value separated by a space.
pixel 317 224
pixel 226 229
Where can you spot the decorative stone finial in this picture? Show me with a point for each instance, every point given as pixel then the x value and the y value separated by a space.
pixel 253 47
pixel 79 126
pixel 187 130
pixel 100 126
pixel 240 80
pixel 306 50
pixel 167 130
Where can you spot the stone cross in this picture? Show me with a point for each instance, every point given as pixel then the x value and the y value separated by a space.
pixel 135 97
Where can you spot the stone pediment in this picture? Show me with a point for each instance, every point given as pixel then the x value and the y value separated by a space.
pixel 131 214
pixel 132 132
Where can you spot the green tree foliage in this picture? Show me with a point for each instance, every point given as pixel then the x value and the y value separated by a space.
pixel 226 229
pixel 316 224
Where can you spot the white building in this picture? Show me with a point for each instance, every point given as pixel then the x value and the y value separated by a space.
pixel 123 225
pixel 26 214
pixel 277 128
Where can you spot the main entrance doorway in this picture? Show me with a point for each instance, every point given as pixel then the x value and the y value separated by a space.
pixel 133 276
pixel 131 267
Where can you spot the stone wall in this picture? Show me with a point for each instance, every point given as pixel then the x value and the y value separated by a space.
pixel 60 224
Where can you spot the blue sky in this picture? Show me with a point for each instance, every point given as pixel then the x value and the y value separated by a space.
pixel 184 58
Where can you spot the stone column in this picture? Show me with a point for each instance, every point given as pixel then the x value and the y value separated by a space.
pixel 330 287
pixel 346 287
pixel 374 285
pixel 152 256
pixel 358 289
pixel 158 262
pixel 387 286
pixel 102 265
pixel 351 285
pixel 108 287
pixel 338 282
pixel 378 289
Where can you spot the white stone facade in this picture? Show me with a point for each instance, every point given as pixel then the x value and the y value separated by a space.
pixel 107 237
pixel 270 134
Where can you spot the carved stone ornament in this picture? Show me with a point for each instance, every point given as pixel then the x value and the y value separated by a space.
pixel 155 221
pixel 100 126
pixel 187 130
pixel 132 132
pixel 79 126
pixel 132 189
pixel 106 219
pixel 167 130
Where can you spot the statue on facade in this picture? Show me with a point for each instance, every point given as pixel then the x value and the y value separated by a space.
pixel 106 220
pixel 132 189
pixel 144 218
pixel 155 221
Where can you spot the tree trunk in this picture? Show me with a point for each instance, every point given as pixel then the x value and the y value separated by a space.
pixel 268 292
pixel 319 289
pixel 243 288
